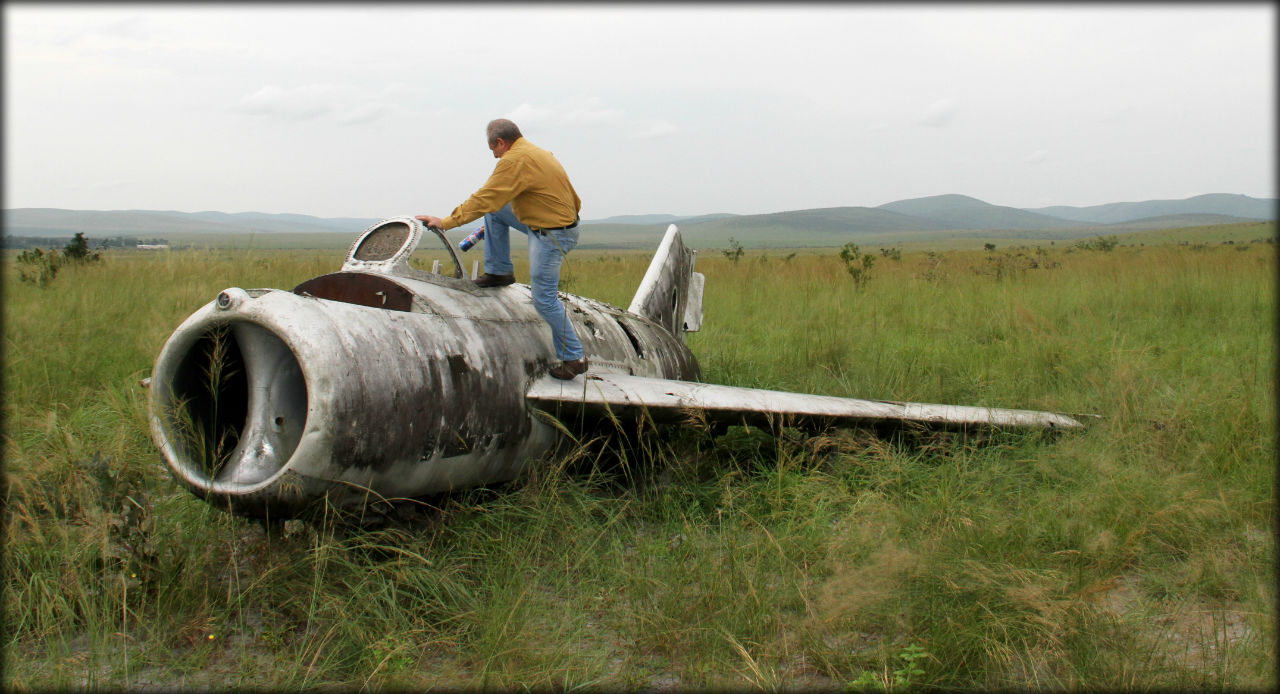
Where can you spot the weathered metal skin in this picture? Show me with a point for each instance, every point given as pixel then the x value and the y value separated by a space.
pixel 361 384
pixel 383 381
pixel 667 402
pixel 670 291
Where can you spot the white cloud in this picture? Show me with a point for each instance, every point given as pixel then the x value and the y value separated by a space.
pixel 360 114
pixel 581 111
pixel 295 103
pixel 309 101
pixel 132 27
pixel 940 113
pixel 655 128
pixel 1036 157
pixel 530 115
pixel 111 185
pixel 586 112
pixel 590 112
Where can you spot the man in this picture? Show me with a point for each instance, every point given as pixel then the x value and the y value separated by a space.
pixel 530 192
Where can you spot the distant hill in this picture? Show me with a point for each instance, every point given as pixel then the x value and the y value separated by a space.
pixel 1240 206
pixel 286 223
pixel 925 218
pixel 56 222
pixel 964 212
pixel 905 220
pixel 1173 221
pixel 830 220
pixel 656 219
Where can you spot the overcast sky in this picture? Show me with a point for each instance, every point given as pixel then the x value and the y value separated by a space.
pixel 341 110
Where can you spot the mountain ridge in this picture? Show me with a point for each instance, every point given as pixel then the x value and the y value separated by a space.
pixel 932 214
pixel 1212 203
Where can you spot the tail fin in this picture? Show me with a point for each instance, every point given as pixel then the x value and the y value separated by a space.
pixel 671 292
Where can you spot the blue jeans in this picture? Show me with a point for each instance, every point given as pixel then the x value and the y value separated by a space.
pixel 546 253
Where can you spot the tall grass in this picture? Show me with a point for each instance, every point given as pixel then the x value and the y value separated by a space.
pixel 1138 554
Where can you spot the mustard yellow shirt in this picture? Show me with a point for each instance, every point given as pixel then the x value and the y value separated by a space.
pixel 533 181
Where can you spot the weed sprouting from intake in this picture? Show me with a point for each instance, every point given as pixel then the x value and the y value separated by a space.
pixel 209 402
pixel 218 372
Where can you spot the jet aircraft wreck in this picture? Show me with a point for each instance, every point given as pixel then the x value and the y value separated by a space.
pixel 385 381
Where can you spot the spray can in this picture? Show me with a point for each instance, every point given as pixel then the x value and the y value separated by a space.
pixel 467 243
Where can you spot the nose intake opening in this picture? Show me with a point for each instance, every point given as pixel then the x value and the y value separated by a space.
pixel 238 405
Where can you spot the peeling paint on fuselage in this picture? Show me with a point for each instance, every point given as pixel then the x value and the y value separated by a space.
pixel 404 402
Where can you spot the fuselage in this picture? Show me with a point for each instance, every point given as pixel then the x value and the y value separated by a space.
pixel 359 385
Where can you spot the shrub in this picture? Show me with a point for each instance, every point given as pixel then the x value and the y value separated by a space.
pixel 1100 243
pixel 40 267
pixel 37 267
pixel 857 264
pixel 734 252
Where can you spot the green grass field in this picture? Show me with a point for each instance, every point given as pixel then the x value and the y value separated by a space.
pixel 607 237
pixel 1138 554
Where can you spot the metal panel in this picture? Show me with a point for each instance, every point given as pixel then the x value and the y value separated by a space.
pixel 672 400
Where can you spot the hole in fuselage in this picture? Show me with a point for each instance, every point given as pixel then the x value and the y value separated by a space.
pixel 635 344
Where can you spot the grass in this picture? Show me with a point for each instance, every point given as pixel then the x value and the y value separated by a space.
pixel 1136 555
pixel 613 238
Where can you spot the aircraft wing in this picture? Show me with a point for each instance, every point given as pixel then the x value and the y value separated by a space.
pixel 604 394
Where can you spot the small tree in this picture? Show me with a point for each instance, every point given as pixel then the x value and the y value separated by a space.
pixel 857 264
pixel 734 252
pixel 77 251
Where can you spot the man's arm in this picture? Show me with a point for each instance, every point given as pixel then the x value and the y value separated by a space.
pixel 431 222
pixel 502 186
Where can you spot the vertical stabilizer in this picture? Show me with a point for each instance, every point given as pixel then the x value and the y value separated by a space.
pixel 671 292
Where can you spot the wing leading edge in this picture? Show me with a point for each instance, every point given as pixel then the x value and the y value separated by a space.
pixel 601 394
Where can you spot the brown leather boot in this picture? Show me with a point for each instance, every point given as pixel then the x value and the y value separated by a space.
pixel 567 370
pixel 487 280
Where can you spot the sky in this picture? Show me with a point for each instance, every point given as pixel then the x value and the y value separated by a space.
pixel 376 111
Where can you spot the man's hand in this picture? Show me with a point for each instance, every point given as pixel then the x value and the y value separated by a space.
pixel 431 222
